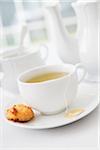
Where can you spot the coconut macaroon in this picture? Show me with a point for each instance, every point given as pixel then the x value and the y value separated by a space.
pixel 20 113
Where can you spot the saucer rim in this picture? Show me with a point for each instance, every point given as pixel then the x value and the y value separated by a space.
pixel 91 107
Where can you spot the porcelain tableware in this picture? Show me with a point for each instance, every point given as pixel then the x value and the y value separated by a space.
pixel 51 96
pixel 12 64
pixel 86 98
pixel 84 46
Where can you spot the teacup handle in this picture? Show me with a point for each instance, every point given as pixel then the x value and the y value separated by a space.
pixel 80 66
pixel 46 51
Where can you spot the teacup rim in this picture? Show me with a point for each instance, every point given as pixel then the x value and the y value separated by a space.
pixel 47 81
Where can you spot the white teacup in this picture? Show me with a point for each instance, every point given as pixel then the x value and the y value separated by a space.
pixel 17 61
pixel 51 96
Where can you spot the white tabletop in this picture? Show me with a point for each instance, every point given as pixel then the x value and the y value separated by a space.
pixel 81 134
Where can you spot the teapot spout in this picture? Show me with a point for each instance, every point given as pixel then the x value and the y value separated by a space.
pixel 66 46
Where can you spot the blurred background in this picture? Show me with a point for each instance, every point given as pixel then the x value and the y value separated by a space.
pixel 13 13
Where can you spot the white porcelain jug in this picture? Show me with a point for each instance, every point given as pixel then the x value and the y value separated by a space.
pixel 84 46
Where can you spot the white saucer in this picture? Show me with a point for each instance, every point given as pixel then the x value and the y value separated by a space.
pixel 87 98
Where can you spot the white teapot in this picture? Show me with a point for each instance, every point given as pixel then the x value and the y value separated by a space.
pixel 14 63
pixel 84 46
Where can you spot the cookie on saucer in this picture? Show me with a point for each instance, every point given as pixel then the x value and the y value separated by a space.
pixel 20 113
